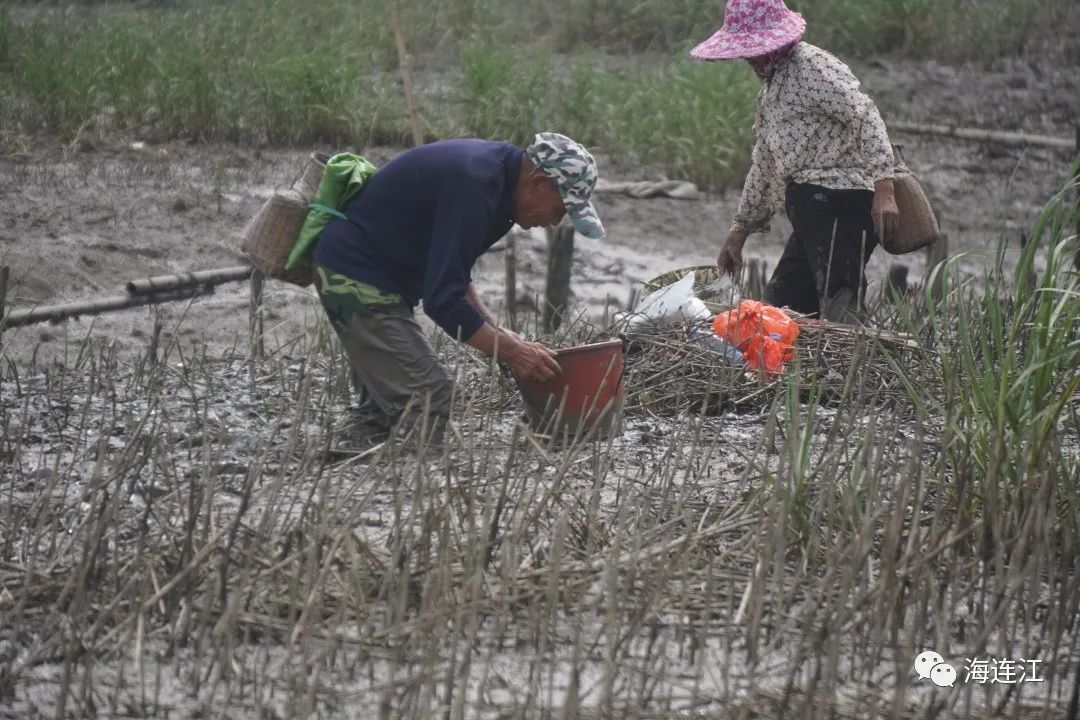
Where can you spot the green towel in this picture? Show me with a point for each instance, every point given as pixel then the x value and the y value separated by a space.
pixel 345 174
pixel 343 297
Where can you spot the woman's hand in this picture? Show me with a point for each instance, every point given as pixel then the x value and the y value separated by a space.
pixel 884 210
pixel 730 258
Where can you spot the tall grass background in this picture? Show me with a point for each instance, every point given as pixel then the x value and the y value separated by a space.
pixel 613 73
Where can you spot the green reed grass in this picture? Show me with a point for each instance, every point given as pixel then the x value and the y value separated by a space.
pixel 1009 353
pixel 302 73
pixel 277 72
pixel 945 29
pixel 691 120
pixel 955 30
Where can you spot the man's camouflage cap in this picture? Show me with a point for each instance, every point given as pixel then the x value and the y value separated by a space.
pixel 573 169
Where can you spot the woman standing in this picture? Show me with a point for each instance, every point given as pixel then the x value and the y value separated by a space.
pixel 821 152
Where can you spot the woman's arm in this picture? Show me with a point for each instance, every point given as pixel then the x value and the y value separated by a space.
pixel 756 204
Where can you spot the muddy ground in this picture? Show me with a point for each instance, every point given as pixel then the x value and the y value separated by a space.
pixel 78 220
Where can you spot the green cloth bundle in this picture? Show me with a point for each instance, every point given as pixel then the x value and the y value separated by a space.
pixel 344 176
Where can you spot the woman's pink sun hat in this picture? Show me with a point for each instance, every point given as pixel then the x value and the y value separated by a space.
pixel 752 28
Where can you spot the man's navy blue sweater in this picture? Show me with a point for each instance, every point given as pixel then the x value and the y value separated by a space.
pixel 419 224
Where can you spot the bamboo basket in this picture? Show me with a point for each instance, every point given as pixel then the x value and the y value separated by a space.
pixel 918 226
pixel 308 182
pixel 269 237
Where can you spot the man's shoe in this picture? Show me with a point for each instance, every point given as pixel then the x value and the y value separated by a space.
pixel 358 433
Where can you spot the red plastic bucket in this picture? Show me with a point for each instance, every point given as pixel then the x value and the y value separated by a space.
pixel 586 397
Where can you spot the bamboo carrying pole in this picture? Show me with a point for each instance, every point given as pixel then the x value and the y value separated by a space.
pixel 64 311
pixel 148 291
pixel 996 136
pixel 177 281
pixel 406 79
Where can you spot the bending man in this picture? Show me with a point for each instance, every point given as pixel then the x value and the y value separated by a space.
pixel 413 233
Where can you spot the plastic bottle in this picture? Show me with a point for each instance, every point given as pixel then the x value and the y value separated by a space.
pixel 725 350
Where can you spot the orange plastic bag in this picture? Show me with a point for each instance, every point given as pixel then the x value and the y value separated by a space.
pixel 764 334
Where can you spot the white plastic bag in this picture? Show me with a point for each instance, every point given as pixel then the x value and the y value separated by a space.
pixel 673 302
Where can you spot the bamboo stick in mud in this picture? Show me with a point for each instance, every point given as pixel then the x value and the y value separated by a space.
pixel 1000 137
pixel 1076 241
pixel 511 283
pixel 936 255
pixel 406 79
pixel 5 274
pixel 255 315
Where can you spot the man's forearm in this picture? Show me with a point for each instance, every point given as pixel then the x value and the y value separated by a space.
pixel 493 343
pixel 474 299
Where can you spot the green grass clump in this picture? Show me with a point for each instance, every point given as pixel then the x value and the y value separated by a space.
pixel 300 73
pixel 954 30
pixel 1009 357
pixel 692 120
pixel 286 74
pixel 944 29
pixel 277 72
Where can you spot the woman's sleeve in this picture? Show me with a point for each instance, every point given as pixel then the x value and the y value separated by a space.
pixel 758 203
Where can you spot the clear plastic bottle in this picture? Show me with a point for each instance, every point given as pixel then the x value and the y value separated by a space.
pixel 705 337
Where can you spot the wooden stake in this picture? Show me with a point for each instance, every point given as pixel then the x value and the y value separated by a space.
pixel 936 256
pixel 560 264
pixel 511 283
pixel 406 78
pixel 5 274
pixel 1076 241
pixel 155 337
pixel 255 315
pixel 755 273
pixel 1029 281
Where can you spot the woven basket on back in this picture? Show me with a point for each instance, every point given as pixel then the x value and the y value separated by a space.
pixel 918 226
pixel 269 237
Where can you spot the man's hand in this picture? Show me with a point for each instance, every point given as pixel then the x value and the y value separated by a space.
pixel 528 360
pixel 884 211
pixel 531 361
pixel 730 258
